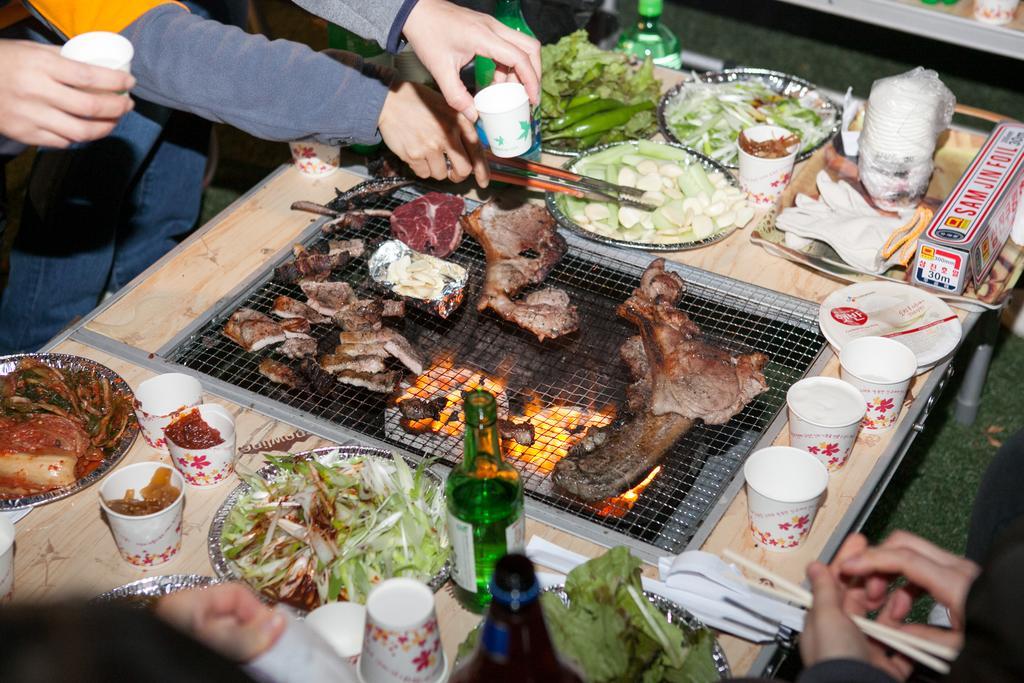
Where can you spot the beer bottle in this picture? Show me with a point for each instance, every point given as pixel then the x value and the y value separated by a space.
pixel 484 496
pixel 514 645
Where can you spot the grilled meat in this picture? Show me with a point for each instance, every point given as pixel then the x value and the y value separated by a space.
pixel 522 433
pixel 296 328
pixel 391 340
pixel 287 307
pixel 383 382
pixel 430 224
pixel 299 347
pixel 508 237
pixel 320 381
pixel 679 379
pixel 309 265
pixel 358 350
pixel 354 248
pixel 281 373
pixel 367 193
pixel 342 363
pixel 327 297
pixel 422 409
pixel 328 342
pixel 252 330
pixel 367 314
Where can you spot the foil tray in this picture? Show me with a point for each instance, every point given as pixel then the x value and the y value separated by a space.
pixel 144 592
pixel 569 224
pixel 452 292
pixel 225 568
pixel 782 83
pixel 65 361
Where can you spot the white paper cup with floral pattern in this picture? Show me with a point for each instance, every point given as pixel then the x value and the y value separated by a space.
pixel 824 418
pixel 763 178
pixel 144 540
pixel 402 643
pixel 784 489
pixel 995 11
pixel 315 159
pixel 881 369
pixel 206 465
pixel 6 559
pixel 160 399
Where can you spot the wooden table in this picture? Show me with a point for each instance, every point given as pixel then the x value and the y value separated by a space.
pixel 66 549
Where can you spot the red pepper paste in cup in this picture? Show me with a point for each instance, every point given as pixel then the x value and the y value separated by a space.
pixel 191 431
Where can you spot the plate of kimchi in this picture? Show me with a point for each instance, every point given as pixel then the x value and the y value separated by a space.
pixel 65 421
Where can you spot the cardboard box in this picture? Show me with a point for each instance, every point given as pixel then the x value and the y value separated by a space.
pixel 968 232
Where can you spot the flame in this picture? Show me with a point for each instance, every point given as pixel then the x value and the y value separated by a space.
pixel 556 430
pixel 623 503
pixel 444 378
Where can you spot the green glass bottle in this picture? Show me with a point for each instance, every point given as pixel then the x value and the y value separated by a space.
pixel 510 13
pixel 484 496
pixel 648 37
pixel 341 38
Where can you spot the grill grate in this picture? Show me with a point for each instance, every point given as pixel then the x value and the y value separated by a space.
pixel 582 370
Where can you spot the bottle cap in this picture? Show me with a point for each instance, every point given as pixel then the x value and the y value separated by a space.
pixel 650 8
pixel 479 407
pixel 514 582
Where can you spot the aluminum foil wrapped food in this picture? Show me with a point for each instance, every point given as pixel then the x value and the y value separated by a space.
pixel 426 282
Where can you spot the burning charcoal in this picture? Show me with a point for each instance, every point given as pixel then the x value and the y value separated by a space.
pixel 521 433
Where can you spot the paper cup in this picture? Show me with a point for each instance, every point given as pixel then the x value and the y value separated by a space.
pixel 505 116
pixel 100 48
pixel 402 643
pixel 6 559
pixel 765 179
pixel 784 487
pixel 315 159
pixel 880 369
pixel 995 11
pixel 208 466
pixel 144 540
pixel 341 625
pixel 159 400
pixel 824 417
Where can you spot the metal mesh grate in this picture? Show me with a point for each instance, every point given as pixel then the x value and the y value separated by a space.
pixel 582 370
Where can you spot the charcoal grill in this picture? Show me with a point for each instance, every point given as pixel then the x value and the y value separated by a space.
pixel 582 370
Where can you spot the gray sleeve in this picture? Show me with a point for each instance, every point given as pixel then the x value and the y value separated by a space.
pixel 277 90
pixel 380 20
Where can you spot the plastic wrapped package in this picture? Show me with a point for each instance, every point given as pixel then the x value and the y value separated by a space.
pixel 905 115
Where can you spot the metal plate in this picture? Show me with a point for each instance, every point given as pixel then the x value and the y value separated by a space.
pixel 225 569
pixel 63 361
pixel 564 221
pixel 782 83
pixel 144 592
pixel 675 614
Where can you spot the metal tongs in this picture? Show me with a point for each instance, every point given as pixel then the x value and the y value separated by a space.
pixel 531 174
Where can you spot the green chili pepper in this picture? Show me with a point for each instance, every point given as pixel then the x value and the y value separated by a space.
pixel 581 99
pixel 601 122
pixel 582 112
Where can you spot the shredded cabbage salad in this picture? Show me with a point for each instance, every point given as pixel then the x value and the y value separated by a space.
pixel 709 117
pixel 317 532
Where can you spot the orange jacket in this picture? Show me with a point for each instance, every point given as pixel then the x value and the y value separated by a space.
pixel 68 18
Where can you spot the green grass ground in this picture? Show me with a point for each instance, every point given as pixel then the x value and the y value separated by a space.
pixel 932 493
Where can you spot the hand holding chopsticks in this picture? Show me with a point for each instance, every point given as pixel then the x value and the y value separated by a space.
pixel 932 654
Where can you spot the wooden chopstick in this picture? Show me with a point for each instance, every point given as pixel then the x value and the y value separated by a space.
pixel 918 649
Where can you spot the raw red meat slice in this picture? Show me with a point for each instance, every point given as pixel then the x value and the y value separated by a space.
pixel 430 224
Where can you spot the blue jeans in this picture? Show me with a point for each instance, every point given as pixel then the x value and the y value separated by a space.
pixel 98 214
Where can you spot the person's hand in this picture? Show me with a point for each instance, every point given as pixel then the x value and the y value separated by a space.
pixel 227 618
pixel 43 98
pixel 940 573
pixel 829 633
pixel 446 37
pixel 423 131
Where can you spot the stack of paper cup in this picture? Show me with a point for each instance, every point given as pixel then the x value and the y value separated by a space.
pixel 881 370
pixel 211 465
pixel 402 643
pixel 784 488
pixel 824 417
pixel 6 559
pixel 160 399
pixel 144 540
pixel 905 115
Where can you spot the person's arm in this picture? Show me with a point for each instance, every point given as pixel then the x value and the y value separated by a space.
pixel 277 90
pixel 380 20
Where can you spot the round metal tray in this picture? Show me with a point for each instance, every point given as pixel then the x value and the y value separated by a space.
pixel 64 361
pixel 144 592
pixel 782 83
pixel 225 568
pixel 570 225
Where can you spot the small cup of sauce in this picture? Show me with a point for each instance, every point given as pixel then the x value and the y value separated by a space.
pixel 144 503
pixel 202 444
